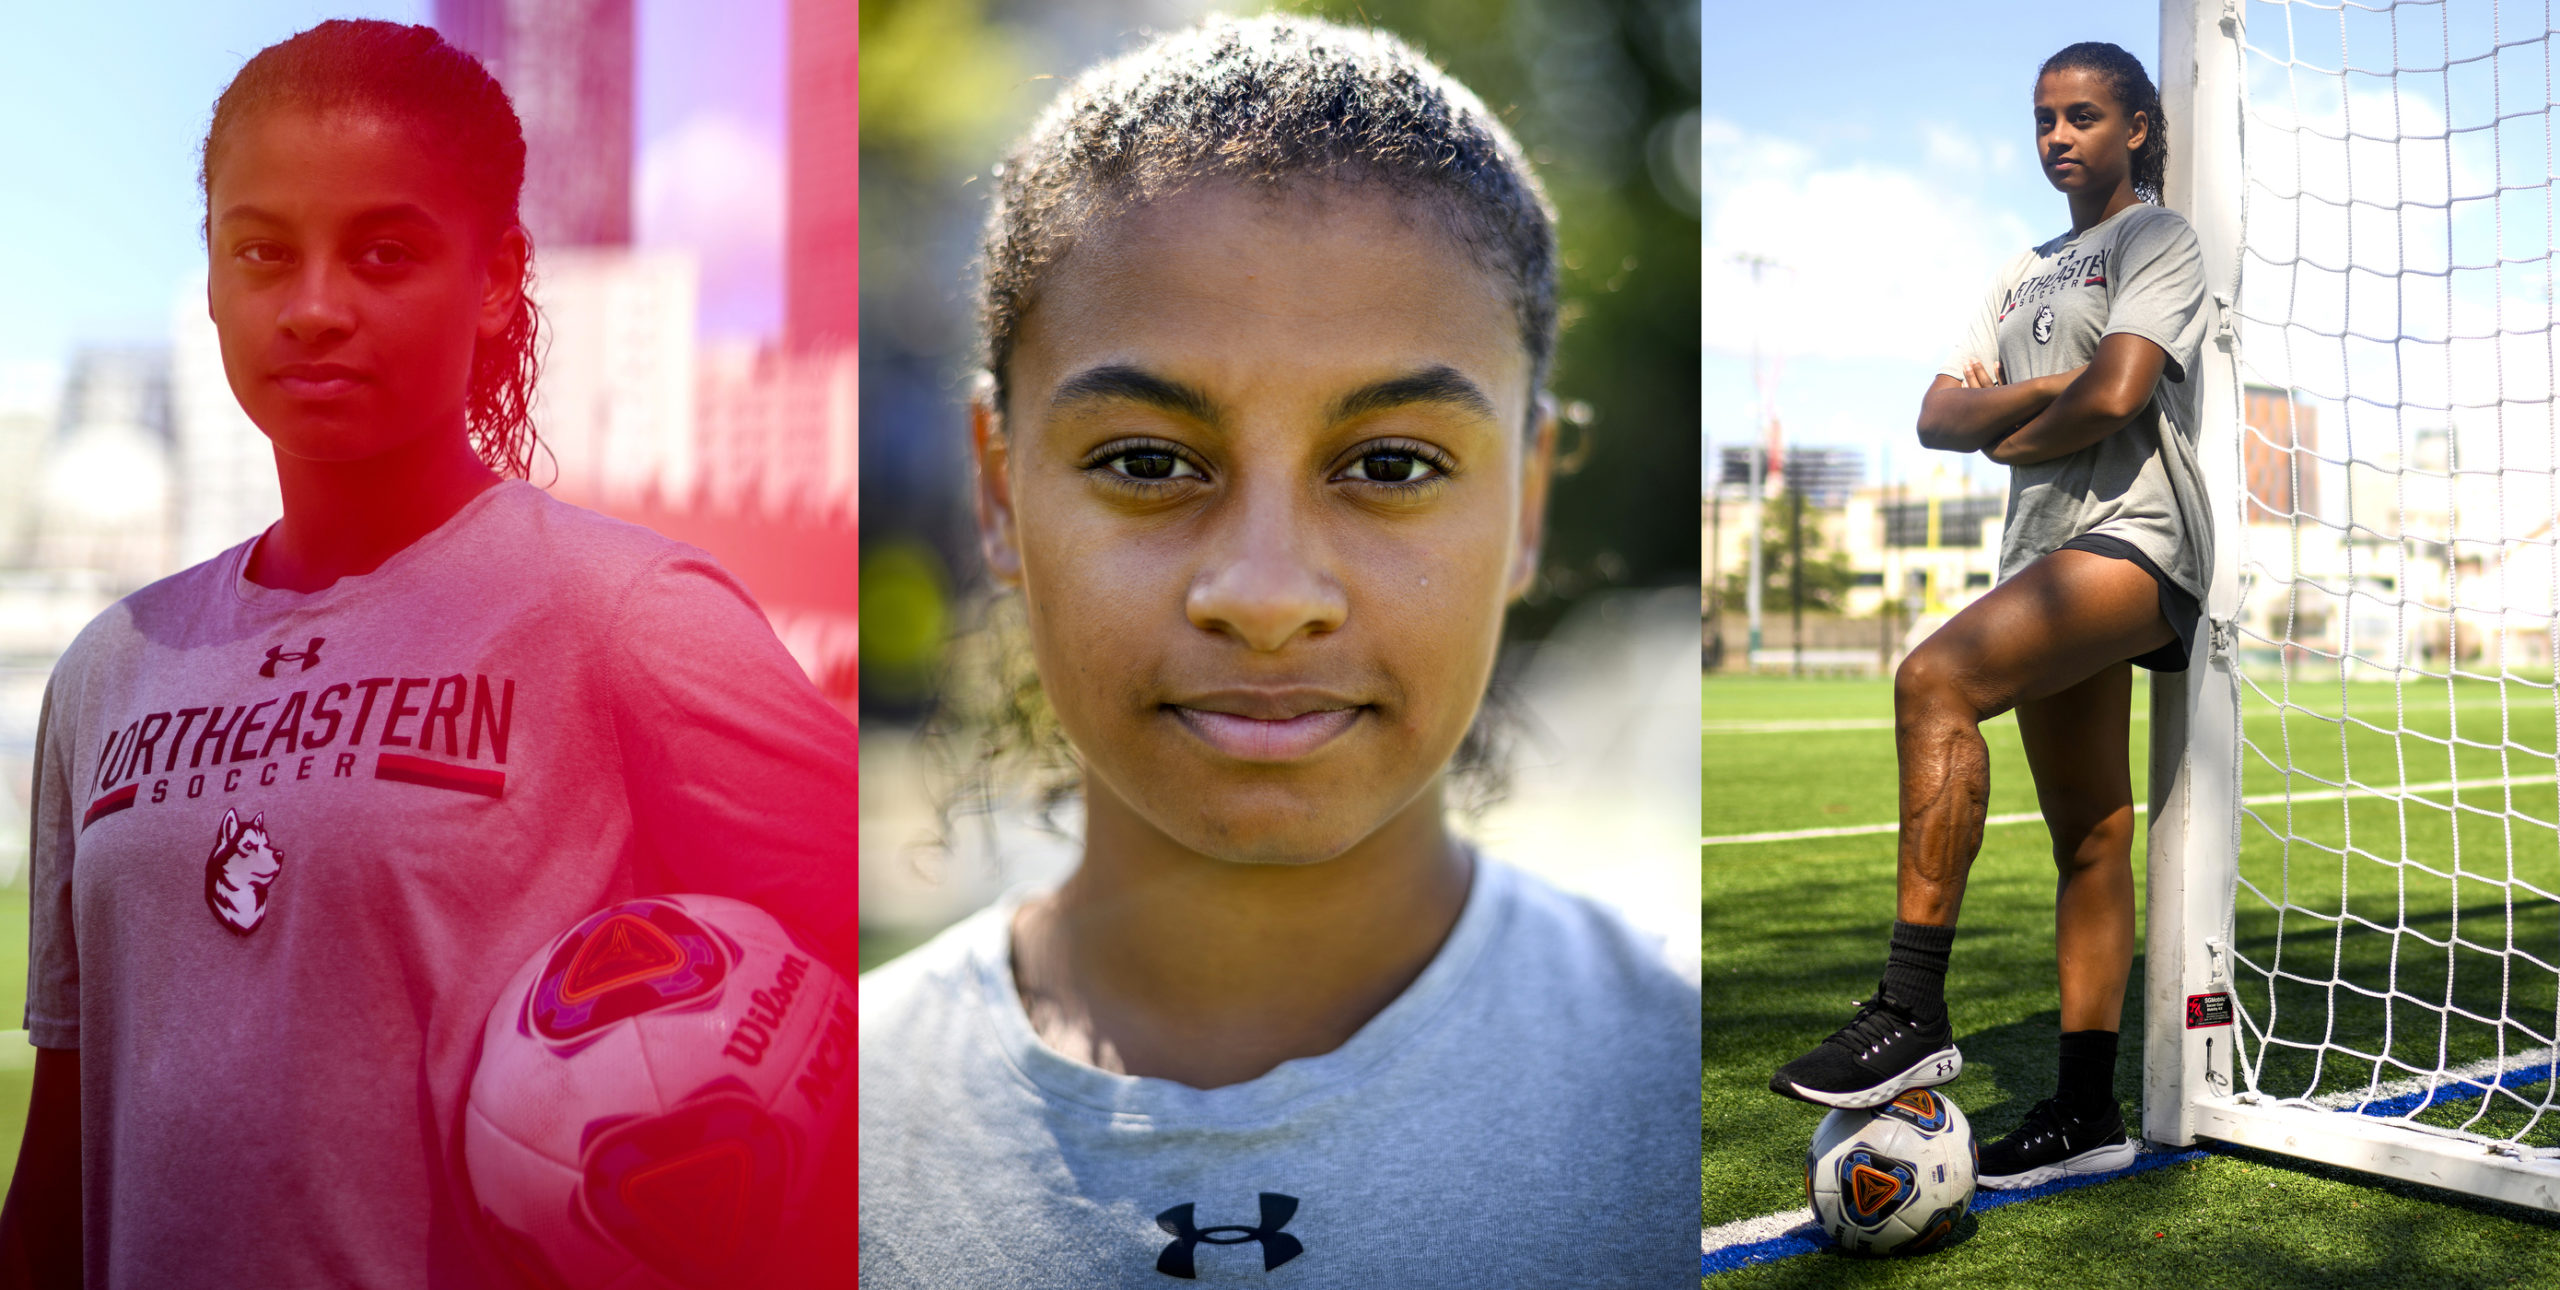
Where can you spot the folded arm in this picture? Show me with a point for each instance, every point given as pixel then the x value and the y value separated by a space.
pixel 1974 413
pixel 2097 401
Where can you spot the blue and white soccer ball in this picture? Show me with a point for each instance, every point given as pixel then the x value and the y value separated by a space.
pixel 1894 1179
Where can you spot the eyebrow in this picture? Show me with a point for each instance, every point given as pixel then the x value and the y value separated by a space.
pixel 1434 385
pixel 391 214
pixel 1441 385
pixel 1135 385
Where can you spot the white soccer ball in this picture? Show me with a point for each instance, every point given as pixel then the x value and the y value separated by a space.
pixel 1895 1179
pixel 651 1092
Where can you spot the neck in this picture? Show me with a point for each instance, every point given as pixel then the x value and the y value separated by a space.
pixel 1156 960
pixel 344 518
pixel 2089 210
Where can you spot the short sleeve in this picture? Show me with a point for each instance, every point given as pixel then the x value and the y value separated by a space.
pixel 1979 339
pixel 2157 289
pixel 53 956
pixel 743 779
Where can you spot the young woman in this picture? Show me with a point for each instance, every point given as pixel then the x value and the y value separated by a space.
pixel 2076 375
pixel 303 809
pixel 1264 453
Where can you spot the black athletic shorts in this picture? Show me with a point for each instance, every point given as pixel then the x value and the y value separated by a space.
pixel 2176 605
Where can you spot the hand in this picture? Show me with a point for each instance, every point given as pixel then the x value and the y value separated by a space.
pixel 1977 379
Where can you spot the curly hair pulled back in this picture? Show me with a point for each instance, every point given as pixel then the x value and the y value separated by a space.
pixel 1272 102
pixel 410 75
pixel 2134 93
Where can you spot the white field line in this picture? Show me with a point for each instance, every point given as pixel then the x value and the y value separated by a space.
pixel 1751 1231
pixel 2255 799
pixel 1817 725
pixel 2484 1071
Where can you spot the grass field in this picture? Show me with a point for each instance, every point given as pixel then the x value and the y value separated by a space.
pixel 1794 935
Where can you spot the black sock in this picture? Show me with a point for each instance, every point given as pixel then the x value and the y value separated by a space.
pixel 2088 1080
pixel 1915 973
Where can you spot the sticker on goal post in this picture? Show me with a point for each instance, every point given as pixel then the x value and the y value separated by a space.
pixel 2205 1010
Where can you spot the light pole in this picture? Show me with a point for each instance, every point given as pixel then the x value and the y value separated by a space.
pixel 1758 264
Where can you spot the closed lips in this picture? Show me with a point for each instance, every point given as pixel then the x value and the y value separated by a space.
pixel 1267 726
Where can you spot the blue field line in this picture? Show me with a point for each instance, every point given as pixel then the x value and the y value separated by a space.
pixel 2453 1090
pixel 1793 1243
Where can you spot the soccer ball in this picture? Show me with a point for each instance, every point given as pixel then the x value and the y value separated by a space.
pixel 1895 1179
pixel 652 1090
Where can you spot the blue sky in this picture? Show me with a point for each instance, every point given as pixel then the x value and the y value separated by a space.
pixel 1882 153
pixel 103 103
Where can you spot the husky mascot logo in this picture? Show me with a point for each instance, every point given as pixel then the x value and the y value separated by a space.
pixel 2044 326
pixel 243 866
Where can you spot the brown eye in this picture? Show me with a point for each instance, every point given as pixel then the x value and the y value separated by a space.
pixel 1394 466
pixel 1148 464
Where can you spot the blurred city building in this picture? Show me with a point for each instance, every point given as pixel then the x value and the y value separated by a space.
pixel 747 449
pixel 2278 465
pixel 822 223
pixel 104 500
pixel 567 65
pixel 1887 565
pixel 225 467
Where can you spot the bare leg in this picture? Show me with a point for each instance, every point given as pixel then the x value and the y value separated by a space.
pixel 2075 745
pixel 2062 620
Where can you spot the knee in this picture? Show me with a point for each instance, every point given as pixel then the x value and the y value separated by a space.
pixel 1925 693
pixel 2092 843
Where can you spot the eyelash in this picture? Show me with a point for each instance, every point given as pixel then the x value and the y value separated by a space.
pixel 1100 461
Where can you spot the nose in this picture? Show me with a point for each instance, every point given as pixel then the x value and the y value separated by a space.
pixel 316 308
pixel 1266 578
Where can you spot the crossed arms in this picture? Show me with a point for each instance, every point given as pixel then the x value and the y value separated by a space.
pixel 2048 417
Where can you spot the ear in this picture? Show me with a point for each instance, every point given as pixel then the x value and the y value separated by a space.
pixel 229 828
pixel 2141 133
pixel 1537 470
pixel 503 293
pixel 999 541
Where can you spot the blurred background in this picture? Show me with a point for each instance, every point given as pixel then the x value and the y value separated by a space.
pixel 691 192
pixel 1601 661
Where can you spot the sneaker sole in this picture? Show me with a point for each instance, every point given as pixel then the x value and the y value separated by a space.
pixel 2096 1160
pixel 1937 1068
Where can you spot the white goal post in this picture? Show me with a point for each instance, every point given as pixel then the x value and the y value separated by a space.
pixel 2353 936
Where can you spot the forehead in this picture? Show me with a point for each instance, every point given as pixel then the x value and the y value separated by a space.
pixel 312 162
pixel 1274 289
pixel 2064 86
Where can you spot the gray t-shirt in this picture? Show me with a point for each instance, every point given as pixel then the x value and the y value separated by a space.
pixel 289 847
pixel 2139 273
pixel 1524 1114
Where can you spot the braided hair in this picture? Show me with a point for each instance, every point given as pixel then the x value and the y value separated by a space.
pixel 410 75
pixel 2135 93
pixel 1272 101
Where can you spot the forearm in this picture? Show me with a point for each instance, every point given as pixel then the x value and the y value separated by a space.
pixel 40 1225
pixel 1960 418
pixel 2077 419
pixel 2100 399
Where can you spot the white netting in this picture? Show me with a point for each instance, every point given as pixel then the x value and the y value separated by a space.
pixel 2396 937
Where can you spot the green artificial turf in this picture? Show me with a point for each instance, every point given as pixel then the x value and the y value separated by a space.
pixel 1794 934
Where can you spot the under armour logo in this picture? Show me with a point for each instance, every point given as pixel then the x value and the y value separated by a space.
pixel 308 656
pixel 1278 1247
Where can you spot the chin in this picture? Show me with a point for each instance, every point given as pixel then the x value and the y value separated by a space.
pixel 1270 824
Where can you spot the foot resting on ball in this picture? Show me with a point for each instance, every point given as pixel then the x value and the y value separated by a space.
pixel 1882 1053
pixel 2054 1143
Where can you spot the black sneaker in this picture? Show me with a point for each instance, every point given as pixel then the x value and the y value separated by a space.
pixel 1881 1054
pixel 2052 1144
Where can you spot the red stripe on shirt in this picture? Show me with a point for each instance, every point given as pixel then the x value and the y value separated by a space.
pixel 109 805
pixel 436 774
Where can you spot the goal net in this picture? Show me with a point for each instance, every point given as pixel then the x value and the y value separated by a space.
pixel 2383 988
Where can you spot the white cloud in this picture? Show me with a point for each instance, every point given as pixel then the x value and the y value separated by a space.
pixel 714 186
pixel 1870 261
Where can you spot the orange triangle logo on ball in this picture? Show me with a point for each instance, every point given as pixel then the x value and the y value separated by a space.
pixel 1870 1188
pixel 625 949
